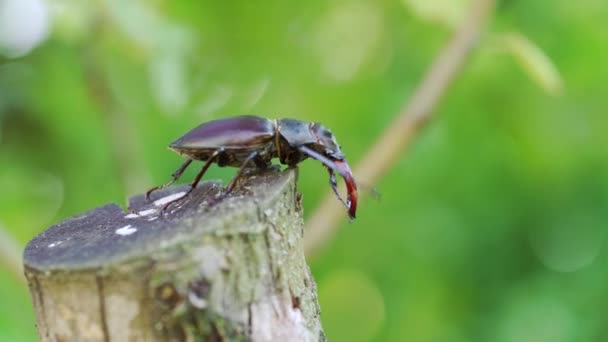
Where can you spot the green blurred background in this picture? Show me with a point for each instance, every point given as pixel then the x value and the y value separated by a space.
pixel 491 228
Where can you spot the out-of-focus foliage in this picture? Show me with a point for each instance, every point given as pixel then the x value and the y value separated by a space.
pixel 492 228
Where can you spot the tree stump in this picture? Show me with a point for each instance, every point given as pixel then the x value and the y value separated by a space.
pixel 234 270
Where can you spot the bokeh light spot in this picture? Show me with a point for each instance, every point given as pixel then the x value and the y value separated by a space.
pixel 347 37
pixel 352 306
pixel 31 198
pixel 437 234
pixel 168 82
pixel 23 25
pixel 536 319
pixel 569 244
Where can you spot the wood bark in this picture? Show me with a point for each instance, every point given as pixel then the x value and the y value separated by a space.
pixel 231 270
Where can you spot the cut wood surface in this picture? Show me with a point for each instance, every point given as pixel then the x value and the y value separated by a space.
pixel 234 270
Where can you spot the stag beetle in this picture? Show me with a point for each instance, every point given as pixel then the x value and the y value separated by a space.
pixel 241 140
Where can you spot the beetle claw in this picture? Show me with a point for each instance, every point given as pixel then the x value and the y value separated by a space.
pixel 351 187
pixel 341 166
pixel 149 192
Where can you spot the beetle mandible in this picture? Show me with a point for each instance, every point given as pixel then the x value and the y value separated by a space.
pixel 241 140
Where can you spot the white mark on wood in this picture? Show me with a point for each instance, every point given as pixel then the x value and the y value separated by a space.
pixel 122 311
pixel 212 260
pixel 55 244
pixel 196 301
pixel 152 218
pixel 169 198
pixel 278 312
pixel 141 213
pixel 126 230
pixel 147 212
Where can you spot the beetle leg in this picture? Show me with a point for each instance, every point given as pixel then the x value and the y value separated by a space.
pixel 196 180
pixel 239 174
pixel 334 185
pixel 175 176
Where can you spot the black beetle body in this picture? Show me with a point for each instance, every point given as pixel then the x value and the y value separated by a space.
pixel 240 140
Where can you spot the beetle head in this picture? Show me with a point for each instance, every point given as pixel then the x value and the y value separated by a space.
pixel 302 140
pixel 326 142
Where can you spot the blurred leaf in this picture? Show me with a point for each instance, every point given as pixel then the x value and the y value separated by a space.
pixel 14 77
pixel 348 37
pixel 73 20
pixel 16 312
pixel 166 45
pixel 446 12
pixel 10 253
pixel 534 62
pixel 30 198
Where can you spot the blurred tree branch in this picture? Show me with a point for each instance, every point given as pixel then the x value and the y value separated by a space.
pixel 124 138
pixel 123 135
pixel 414 115
pixel 10 255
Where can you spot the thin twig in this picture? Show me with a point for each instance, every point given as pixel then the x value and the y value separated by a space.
pixel 10 254
pixel 411 119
